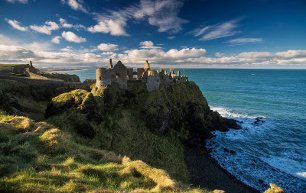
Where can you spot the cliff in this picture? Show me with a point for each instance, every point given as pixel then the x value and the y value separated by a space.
pixel 124 120
pixel 105 139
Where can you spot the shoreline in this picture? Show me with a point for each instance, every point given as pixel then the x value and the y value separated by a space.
pixel 205 172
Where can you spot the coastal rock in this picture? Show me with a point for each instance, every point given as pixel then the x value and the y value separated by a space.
pixel 162 109
pixel 258 121
pixel 274 189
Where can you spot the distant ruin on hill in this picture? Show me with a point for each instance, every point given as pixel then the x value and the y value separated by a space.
pixel 120 74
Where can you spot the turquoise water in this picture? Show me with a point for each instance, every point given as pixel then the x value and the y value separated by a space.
pixel 271 151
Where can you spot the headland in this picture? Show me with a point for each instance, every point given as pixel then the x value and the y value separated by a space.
pixel 138 130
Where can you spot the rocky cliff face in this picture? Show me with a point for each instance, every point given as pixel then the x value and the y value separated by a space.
pixel 151 126
pixel 178 106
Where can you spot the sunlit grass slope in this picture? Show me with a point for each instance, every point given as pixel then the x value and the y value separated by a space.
pixel 38 157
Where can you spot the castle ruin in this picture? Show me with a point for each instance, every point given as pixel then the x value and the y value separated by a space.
pixel 120 74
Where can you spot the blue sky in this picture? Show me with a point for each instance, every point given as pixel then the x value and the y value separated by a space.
pixel 185 33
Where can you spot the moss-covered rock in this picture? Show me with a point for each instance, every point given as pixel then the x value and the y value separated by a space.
pixel 9 103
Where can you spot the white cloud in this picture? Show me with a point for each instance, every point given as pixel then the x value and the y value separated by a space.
pixel 56 39
pixel 240 41
pixel 148 45
pixel 173 56
pixel 75 5
pixel 45 29
pixel 216 31
pixel 160 13
pixel 65 24
pixel 107 47
pixel 16 25
pixel 42 53
pixel 292 54
pixel 72 37
pixel 18 1
pixel 113 26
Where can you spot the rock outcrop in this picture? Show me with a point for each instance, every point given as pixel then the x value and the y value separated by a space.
pixel 178 106
pixel 9 103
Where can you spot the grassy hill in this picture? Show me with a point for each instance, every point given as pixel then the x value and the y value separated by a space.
pixel 39 157
pixel 50 155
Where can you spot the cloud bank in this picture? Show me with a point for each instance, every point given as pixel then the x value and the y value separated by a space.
pixel 43 53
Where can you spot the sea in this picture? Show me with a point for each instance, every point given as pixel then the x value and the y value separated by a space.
pixel 270 105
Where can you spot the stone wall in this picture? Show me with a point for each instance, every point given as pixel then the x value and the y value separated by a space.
pixel 153 83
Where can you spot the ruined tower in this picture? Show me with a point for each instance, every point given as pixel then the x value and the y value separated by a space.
pixel 110 64
pixel 146 65
pixel 103 77
pixel 120 71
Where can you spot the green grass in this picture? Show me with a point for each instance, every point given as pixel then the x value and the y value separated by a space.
pixel 10 65
pixel 39 157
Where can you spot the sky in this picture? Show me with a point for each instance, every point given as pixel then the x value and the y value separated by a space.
pixel 179 33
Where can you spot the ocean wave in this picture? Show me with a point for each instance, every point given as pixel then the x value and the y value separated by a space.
pixel 286 163
pixel 248 124
pixel 225 112
pixel 251 170
pixel 235 152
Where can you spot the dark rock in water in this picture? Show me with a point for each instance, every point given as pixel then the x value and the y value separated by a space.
pixel 258 121
pixel 261 181
pixel 229 151
pixel 232 152
pixel 232 123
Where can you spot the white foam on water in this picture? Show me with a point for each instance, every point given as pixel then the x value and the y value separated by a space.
pixel 248 167
pixel 225 112
pixel 246 122
pixel 290 166
pixel 301 174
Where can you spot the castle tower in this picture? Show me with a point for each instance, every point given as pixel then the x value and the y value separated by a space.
pixel 103 77
pixel 146 65
pixel 120 72
pixel 31 63
pixel 110 65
